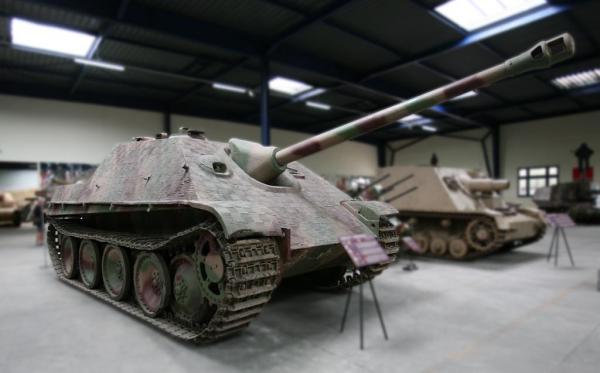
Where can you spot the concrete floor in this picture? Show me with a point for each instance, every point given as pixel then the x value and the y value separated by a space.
pixel 511 312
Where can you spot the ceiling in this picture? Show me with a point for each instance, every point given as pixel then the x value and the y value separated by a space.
pixel 366 54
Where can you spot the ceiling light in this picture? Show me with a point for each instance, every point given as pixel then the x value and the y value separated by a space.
pixel 50 38
pixel 100 64
pixel 311 93
pixel 429 128
pixel 414 119
pixel 229 88
pixel 288 86
pixel 578 80
pixel 471 14
pixel 318 105
pixel 464 95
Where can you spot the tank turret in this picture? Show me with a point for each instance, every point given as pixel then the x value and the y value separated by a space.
pixel 266 163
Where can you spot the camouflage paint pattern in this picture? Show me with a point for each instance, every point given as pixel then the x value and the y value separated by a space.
pixel 152 284
pixel 115 272
pixel 244 187
pixel 89 263
pixel 188 302
pixel 69 257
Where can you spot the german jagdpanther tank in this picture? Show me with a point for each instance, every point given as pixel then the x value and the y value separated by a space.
pixel 192 235
pixel 460 214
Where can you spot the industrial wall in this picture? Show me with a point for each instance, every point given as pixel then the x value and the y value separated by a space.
pixel 35 130
pixel 544 142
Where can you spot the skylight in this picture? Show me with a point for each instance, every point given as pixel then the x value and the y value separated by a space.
pixel 50 38
pixel 578 80
pixel 100 64
pixel 288 86
pixel 229 88
pixel 318 105
pixel 464 95
pixel 471 14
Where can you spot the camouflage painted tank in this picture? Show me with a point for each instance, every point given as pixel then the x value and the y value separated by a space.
pixel 459 214
pixel 10 214
pixel 192 235
pixel 580 199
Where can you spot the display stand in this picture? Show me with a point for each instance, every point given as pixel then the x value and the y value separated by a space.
pixel 559 222
pixel 363 250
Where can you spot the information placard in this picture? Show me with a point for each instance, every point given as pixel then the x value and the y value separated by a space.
pixel 363 249
pixel 560 220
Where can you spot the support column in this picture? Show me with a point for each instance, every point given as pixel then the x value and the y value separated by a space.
pixel 381 156
pixel 496 151
pixel 265 125
pixel 166 122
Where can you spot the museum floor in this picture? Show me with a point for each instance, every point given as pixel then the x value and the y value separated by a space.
pixel 509 313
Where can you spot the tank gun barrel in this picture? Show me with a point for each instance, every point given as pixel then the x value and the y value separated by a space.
pixel 370 185
pixel 393 185
pixel 485 185
pixel 269 162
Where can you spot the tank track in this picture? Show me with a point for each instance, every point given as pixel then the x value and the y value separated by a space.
pixel 498 246
pixel 252 273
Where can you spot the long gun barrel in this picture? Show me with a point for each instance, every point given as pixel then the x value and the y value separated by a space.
pixel 359 191
pixel 391 187
pixel 266 163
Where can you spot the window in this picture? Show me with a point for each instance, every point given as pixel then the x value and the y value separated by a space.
pixel 531 178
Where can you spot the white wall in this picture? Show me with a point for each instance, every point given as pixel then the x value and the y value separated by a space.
pixel 56 131
pixel 451 152
pixel 548 142
pixel 19 179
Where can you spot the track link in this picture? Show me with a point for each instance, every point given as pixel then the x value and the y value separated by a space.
pixel 251 275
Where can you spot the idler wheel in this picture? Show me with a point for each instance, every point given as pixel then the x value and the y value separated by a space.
pixel 188 302
pixel 152 283
pixel 458 248
pixel 481 234
pixel 89 264
pixel 210 267
pixel 116 272
pixel 423 240
pixel 69 253
pixel 438 246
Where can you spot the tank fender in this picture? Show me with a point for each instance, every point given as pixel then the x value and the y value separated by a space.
pixel 369 212
pixel 242 219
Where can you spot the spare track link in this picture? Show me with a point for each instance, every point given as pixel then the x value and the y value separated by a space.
pixel 473 254
pixel 252 274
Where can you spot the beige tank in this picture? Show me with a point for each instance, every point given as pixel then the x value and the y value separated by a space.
pixel 10 213
pixel 458 213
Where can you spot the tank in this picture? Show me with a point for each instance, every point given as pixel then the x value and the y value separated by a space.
pixel 192 236
pixel 580 199
pixel 10 214
pixel 459 214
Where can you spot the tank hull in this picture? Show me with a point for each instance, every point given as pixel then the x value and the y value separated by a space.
pixel 458 214
pixel 205 245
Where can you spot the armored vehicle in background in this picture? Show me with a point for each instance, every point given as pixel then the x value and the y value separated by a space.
pixel 10 214
pixel 580 199
pixel 192 235
pixel 459 214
